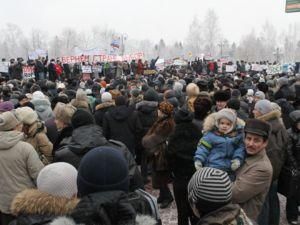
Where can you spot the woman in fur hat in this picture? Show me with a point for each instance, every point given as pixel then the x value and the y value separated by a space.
pixel 155 143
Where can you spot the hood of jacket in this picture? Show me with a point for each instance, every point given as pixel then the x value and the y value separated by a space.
pixel 8 139
pixel 35 128
pixel 209 123
pixel 104 105
pixel 139 220
pixel 85 138
pixel 120 113
pixel 146 107
pixel 273 115
pixel 229 214
pixel 110 207
pixel 35 202
pixel 43 109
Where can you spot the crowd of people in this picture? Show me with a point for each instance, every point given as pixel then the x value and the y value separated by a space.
pixel 82 151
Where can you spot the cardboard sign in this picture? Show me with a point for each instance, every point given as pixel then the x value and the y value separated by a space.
pixel 74 59
pixel 4 67
pixel 86 69
pixel 28 72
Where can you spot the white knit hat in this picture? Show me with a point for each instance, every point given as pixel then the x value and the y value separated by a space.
pixel 26 115
pixel 263 106
pixel 106 97
pixel 38 95
pixel 58 179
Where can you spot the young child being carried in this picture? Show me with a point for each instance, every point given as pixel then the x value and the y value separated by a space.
pixel 222 145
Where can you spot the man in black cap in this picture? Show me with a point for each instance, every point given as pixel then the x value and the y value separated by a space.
pixel 253 179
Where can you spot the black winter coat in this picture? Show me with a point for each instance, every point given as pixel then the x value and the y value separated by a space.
pixel 64 138
pixel 181 149
pixel 122 124
pixel 100 111
pixel 88 137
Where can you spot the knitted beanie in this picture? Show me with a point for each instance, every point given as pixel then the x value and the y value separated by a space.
pixel 151 95
pixel 26 115
pixel 58 179
pixel 6 106
pixel 263 106
pixel 106 97
pixel 38 95
pixel 227 114
pixel 166 108
pixel 260 95
pixel 210 184
pixel 8 121
pixel 102 169
pixel 81 118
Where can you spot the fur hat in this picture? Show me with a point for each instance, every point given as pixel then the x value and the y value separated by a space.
pixel 26 115
pixel 263 106
pixel 113 175
pixel 222 96
pixel 228 114
pixel 166 108
pixel 8 121
pixel 58 179
pixel 192 90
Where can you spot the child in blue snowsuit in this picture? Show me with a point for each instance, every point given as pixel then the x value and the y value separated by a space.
pixel 222 145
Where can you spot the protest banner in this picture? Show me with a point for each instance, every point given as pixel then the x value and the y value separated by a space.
pixel 97 68
pixel 86 69
pixel 274 69
pixel 37 53
pixel 28 72
pixel 114 58
pixel 230 69
pixel 4 67
pixel 256 67
pixel 179 62
pixel 74 59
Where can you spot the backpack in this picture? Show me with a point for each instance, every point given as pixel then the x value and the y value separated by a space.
pixel 144 204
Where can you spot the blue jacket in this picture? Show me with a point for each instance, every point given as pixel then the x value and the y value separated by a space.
pixel 217 151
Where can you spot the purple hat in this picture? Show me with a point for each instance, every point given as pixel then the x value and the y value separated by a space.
pixel 6 106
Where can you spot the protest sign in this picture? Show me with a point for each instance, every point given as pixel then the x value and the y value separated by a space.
pixel 37 53
pixel 4 67
pixel 230 68
pixel 114 58
pixel 97 68
pixel 149 72
pixel 86 69
pixel 274 69
pixel 256 67
pixel 28 72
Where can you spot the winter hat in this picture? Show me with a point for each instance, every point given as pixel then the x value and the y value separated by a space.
pixel 81 95
pixel 263 106
pixel 258 127
pixel 226 113
pixel 202 107
pixel 102 169
pixel 26 115
pixel 120 100
pixel 210 185
pixel 260 95
pixel 282 81
pixel 6 106
pixel 166 108
pixel 250 92
pixel 192 90
pixel 135 92
pixel 81 118
pixel 169 94
pixel 275 106
pixel 183 115
pixel 151 95
pixel 178 86
pixel 183 82
pixel 8 121
pixel 38 95
pixel 234 104
pixel 58 179
pixel 222 96
pixel 235 93
pixel 106 97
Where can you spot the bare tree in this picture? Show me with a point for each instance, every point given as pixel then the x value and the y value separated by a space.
pixel 194 39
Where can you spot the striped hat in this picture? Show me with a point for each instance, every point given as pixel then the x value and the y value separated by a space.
pixel 210 185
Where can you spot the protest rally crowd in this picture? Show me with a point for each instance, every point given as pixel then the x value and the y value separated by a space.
pixel 79 145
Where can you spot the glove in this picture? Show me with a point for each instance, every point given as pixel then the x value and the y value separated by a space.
pixel 235 164
pixel 198 164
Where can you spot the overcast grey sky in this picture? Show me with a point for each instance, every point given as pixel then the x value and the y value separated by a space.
pixel 145 19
